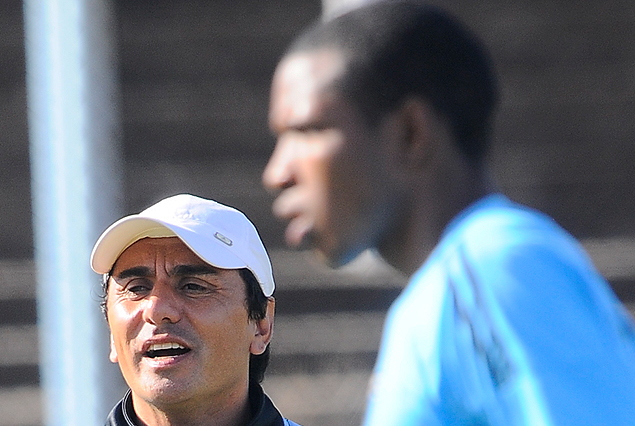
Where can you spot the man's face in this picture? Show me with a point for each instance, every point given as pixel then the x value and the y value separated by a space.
pixel 328 164
pixel 179 327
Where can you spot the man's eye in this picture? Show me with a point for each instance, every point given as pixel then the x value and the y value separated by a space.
pixel 192 287
pixel 136 290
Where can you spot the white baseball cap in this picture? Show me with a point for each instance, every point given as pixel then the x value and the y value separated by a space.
pixel 220 235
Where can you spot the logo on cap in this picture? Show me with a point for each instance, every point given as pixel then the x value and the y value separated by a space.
pixel 223 238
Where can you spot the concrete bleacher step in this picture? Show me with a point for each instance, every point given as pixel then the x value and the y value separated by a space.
pixel 20 406
pixel 19 376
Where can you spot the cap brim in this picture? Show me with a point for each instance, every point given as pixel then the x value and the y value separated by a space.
pixel 125 232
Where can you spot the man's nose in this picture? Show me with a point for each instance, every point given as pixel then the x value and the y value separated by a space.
pixel 278 173
pixel 162 306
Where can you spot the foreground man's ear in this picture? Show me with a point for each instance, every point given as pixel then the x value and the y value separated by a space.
pixel 113 352
pixel 263 330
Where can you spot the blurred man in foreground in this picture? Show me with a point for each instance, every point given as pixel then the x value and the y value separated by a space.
pixel 382 118
pixel 188 298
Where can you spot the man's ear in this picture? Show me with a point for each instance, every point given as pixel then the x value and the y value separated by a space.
pixel 263 330
pixel 113 352
pixel 418 124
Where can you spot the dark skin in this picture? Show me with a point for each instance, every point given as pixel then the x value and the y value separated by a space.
pixel 346 184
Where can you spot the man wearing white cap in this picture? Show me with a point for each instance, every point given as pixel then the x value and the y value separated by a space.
pixel 187 293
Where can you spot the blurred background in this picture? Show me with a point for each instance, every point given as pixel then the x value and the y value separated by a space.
pixel 192 90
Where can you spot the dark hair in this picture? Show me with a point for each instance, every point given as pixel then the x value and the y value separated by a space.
pixel 394 50
pixel 256 310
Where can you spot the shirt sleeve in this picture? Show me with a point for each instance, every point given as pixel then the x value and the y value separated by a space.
pixel 576 338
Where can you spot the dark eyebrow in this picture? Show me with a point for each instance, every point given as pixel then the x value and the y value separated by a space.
pixel 307 127
pixel 136 271
pixel 179 270
pixel 183 270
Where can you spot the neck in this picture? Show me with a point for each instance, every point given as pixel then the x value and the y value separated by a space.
pixel 234 410
pixel 431 206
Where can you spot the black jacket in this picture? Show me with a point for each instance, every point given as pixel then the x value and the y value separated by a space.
pixel 265 413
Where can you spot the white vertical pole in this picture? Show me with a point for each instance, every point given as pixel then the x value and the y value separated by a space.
pixel 76 192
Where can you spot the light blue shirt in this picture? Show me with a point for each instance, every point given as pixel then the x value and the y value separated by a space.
pixel 506 323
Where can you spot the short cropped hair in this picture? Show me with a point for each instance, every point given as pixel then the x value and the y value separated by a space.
pixel 256 303
pixel 395 50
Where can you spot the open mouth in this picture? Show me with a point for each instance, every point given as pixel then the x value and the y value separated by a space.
pixel 166 350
